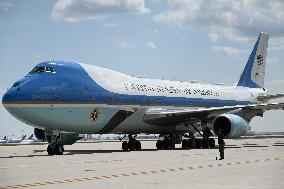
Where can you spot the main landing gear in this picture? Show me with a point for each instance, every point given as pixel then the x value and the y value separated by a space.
pixel 132 144
pixel 168 142
pixel 205 142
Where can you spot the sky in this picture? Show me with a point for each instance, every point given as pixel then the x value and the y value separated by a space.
pixel 204 40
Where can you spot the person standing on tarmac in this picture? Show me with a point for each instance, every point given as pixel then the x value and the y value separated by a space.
pixel 221 143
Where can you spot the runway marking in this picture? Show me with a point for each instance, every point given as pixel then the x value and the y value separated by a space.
pixel 144 173
pixel 124 174
pixel 58 181
pixel 134 173
pixel 84 179
pixel 106 176
pixel 97 177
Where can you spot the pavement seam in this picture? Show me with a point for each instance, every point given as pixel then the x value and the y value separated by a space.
pixel 65 181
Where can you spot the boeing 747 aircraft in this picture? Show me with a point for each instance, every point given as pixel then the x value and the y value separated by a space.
pixel 64 99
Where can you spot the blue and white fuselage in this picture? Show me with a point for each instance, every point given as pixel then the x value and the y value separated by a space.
pixel 62 95
pixel 81 98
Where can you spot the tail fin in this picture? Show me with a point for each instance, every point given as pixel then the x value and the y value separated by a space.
pixel 5 138
pixel 254 72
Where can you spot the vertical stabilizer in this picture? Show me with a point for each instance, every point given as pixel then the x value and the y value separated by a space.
pixel 254 72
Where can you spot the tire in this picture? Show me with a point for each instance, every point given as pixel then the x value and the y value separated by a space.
pixel 198 143
pixel 184 143
pixel 166 145
pixel 138 145
pixel 50 150
pixel 189 142
pixel 131 145
pixel 211 143
pixel 58 149
pixel 205 143
pixel 124 146
pixel 172 145
pixel 159 145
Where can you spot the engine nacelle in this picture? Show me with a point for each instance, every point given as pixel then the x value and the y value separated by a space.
pixel 232 125
pixel 39 134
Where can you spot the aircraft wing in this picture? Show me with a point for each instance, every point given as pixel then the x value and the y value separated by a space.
pixel 266 98
pixel 174 116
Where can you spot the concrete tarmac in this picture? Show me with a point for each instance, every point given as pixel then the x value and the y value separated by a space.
pixel 249 163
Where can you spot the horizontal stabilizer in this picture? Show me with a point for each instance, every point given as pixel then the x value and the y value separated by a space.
pixel 266 98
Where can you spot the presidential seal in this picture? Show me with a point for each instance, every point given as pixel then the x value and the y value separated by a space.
pixel 95 114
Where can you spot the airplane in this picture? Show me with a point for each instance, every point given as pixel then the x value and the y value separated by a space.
pixel 17 140
pixel 63 100
pixel 4 140
pixel 28 140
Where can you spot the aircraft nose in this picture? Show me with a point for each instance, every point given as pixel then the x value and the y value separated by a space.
pixel 10 95
pixel 15 94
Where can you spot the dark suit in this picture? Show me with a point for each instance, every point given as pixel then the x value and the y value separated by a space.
pixel 221 143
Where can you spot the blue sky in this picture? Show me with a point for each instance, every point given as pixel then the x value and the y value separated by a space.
pixel 208 41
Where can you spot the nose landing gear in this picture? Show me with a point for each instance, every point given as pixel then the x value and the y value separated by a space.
pixel 55 148
pixel 132 144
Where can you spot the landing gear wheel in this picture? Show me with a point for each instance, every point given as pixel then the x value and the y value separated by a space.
pixel 159 145
pixel 211 143
pixel 137 145
pixel 172 145
pixel 184 144
pixel 205 144
pixel 124 146
pixel 55 149
pixel 198 143
pixel 50 150
pixel 58 149
pixel 166 145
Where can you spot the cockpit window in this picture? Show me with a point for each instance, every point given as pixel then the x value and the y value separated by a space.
pixel 40 69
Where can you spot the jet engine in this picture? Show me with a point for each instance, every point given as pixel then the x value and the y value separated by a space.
pixel 232 125
pixel 39 134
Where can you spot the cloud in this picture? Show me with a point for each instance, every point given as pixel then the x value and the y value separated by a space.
pixel 122 44
pixel 77 10
pixel 230 51
pixel 151 45
pixel 234 20
pixel 5 5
